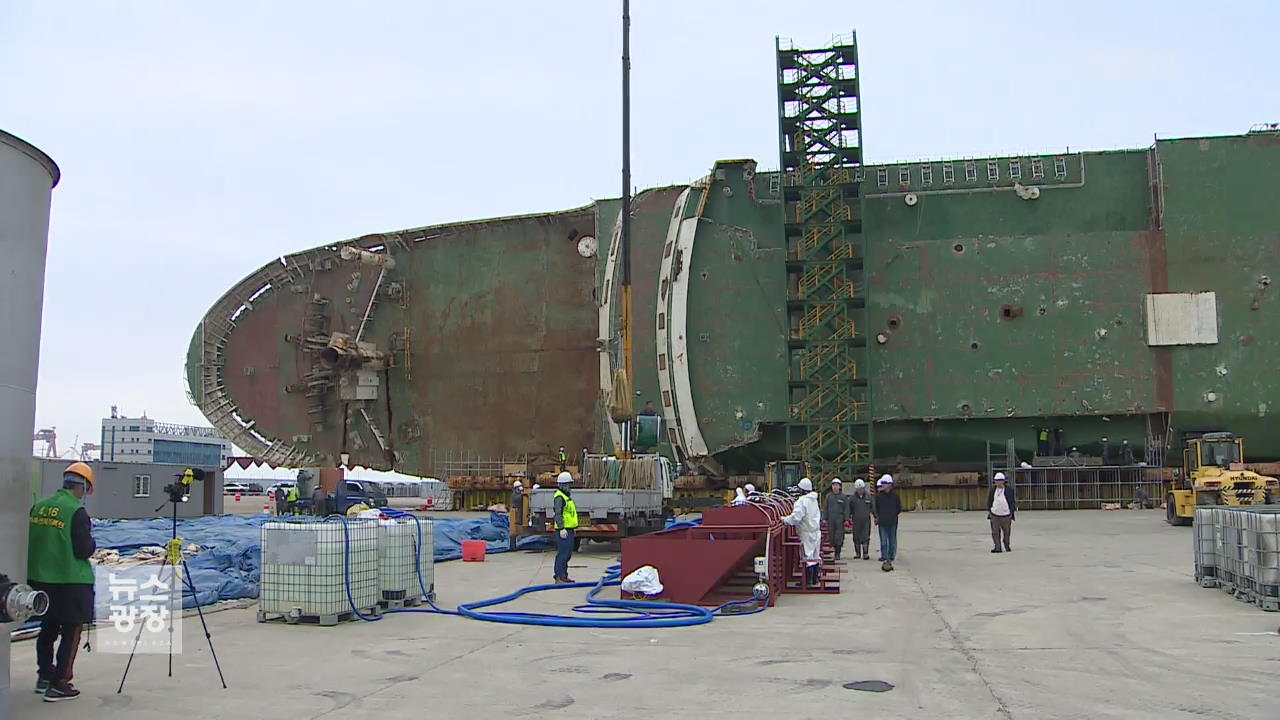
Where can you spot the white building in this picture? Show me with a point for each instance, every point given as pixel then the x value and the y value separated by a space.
pixel 144 440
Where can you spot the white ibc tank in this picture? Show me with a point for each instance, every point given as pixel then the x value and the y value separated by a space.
pixel 400 559
pixel 1205 537
pixel 1263 533
pixel 305 573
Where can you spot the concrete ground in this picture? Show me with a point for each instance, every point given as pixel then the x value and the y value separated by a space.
pixel 1094 615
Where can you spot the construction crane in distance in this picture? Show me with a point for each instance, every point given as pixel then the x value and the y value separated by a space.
pixel 49 436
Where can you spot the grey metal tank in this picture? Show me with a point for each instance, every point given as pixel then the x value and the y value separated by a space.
pixel 27 178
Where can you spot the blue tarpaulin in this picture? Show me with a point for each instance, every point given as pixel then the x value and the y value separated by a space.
pixel 229 562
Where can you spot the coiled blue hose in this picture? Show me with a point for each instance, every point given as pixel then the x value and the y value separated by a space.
pixel 630 613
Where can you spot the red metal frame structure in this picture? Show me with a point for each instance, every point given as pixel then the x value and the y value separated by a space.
pixel 714 563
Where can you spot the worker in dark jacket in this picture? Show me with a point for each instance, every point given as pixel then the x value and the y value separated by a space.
pixel 1001 508
pixel 516 512
pixel 60 542
pixel 860 514
pixel 517 501
pixel 835 511
pixel 886 507
pixel 318 499
pixel 565 513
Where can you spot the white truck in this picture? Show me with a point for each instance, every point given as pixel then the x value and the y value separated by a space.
pixel 606 511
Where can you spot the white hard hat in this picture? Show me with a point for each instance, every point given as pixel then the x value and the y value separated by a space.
pixel 884 480
pixel 563 478
pixel 836 481
pixel 535 486
pixel 749 488
pixel 999 476
pixel 518 484
pixel 858 484
pixel 806 485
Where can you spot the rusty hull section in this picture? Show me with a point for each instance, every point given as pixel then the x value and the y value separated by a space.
pixel 484 336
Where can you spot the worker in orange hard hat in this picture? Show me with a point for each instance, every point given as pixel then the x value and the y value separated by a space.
pixel 60 541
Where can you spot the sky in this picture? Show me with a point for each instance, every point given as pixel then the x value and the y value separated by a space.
pixel 198 141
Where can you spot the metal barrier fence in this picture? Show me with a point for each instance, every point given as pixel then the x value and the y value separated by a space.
pixel 1086 488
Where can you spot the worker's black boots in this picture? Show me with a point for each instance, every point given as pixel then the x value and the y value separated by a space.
pixel 812 574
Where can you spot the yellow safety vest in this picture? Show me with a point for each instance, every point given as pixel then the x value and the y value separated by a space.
pixel 570 511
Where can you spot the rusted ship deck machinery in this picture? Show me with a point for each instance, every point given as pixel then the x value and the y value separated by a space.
pixel 731 554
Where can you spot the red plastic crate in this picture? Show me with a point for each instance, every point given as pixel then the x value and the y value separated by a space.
pixel 473 550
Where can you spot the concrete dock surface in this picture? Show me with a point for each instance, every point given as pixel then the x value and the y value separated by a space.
pixel 1094 615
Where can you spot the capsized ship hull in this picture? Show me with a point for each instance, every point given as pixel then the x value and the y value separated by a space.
pixel 990 312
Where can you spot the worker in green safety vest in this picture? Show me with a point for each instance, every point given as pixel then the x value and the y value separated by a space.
pixel 293 499
pixel 59 544
pixel 566 521
pixel 564 459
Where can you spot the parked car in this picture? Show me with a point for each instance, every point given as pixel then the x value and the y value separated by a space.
pixel 235 488
pixel 271 492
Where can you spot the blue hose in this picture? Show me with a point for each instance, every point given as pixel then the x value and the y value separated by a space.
pixel 628 613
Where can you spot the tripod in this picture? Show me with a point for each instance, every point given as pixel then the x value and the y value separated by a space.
pixel 173 559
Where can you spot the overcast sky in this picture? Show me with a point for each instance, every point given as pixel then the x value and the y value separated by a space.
pixel 199 140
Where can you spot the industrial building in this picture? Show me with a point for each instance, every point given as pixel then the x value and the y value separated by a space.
pixel 146 440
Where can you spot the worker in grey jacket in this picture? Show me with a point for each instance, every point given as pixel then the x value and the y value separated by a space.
pixel 835 511
pixel 860 513
pixel 517 502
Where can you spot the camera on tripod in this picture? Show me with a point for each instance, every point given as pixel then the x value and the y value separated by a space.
pixel 178 491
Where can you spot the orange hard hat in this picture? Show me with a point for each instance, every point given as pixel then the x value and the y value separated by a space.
pixel 81 469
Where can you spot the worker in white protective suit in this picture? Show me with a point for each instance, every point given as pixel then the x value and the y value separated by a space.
pixel 738 497
pixel 807 519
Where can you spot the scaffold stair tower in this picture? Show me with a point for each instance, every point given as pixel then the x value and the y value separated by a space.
pixel 820 142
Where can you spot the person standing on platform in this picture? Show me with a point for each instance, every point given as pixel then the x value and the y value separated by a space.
pixel 806 517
